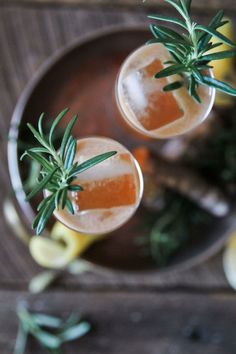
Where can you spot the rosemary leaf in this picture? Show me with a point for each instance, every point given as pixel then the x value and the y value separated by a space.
pixel 75 331
pixel 219 85
pixel 178 8
pixel 69 206
pixel 173 86
pixel 219 55
pixel 70 154
pixel 91 162
pixel 40 128
pixel 21 340
pixel 66 135
pixel 168 19
pixel 216 34
pixel 171 70
pixel 55 123
pixel 41 185
pixel 44 217
pixel 75 188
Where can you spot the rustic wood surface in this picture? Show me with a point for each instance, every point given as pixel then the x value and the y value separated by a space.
pixel 133 314
pixel 229 5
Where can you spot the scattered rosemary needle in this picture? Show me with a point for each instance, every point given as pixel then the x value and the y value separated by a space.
pixel 49 331
pixel 190 49
pixel 58 169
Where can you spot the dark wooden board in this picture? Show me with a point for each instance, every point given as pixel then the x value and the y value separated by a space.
pixel 200 4
pixel 133 323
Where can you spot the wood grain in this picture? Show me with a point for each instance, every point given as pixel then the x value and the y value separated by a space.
pixel 133 323
pixel 200 4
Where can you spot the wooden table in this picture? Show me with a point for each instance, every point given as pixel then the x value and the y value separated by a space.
pixel 178 313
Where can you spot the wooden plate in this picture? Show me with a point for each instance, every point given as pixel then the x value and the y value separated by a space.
pixel 82 77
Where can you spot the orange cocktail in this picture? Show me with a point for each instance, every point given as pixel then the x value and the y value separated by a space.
pixel 146 107
pixel 111 192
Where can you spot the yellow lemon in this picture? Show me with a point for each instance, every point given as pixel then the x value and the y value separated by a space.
pixel 229 260
pixel 224 68
pixel 46 252
pixel 63 247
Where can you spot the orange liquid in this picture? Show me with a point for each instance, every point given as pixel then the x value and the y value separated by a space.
pixel 107 193
pixel 162 106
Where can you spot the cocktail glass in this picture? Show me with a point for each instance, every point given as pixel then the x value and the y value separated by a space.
pixel 146 107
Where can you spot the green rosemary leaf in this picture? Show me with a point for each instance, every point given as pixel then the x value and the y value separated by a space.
pixel 173 86
pixel 44 217
pixel 76 331
pixel 75 188
pixel 40 159
pixel 168 19
pixel 57 198
pixel 55 123
pixel 167 32
pixel 185 6
pixel 188 5
pixel 70 154
pixel 21 340
pixel 40 186
pixel 192 89
pixel 63 198
pixel 175 54
pixel 43 203
pixel 196 73
pixel 66 135
pixel 40 212
pixel 219 85
pixel 214 23
pixel 91 162
pixel 219 55
pixel 39 149
pixel 40 128
pixel 69 206
pixel 211 46
pixel 177 7
pixel 47 339
pixel 216 34
pixel 168 41
pixel 171 70
pixel 47 321
pixel 37 135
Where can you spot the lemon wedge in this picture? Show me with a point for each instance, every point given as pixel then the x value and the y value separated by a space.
pixel 63 247
pixel 229 260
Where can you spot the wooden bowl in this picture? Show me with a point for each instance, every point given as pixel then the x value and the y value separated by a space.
pixel 82 77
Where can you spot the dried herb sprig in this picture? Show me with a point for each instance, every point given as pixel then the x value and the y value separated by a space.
pixel 58 169
pixel 49 331
pixel 190 49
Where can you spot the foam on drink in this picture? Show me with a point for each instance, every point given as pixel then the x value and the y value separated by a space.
pixel 146 107
pixel 112 189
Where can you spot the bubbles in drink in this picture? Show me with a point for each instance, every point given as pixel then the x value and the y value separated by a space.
pixel 144 104
pixel 112 190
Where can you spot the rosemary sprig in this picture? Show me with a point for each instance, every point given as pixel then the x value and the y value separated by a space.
pixel 190 49
pixel 58 169
pixel 49 331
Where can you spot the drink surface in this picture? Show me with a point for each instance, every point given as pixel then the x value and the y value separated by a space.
pixel 144 104
pixel 112 189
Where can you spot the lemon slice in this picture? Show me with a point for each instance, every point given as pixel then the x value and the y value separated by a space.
pixel 63 247
pixel 46 252
pixel 229 261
